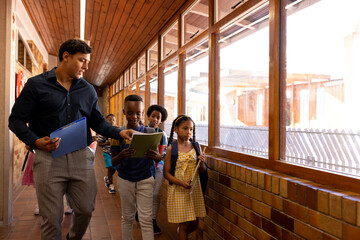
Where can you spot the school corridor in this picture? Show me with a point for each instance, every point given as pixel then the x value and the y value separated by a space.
pixel 272 87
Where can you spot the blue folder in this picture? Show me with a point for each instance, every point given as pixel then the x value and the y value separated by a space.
pixel 73 137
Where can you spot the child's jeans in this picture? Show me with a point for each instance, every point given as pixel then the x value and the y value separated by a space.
pixel 136 195
pixel 157 190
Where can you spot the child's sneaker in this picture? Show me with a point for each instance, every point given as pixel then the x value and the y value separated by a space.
pixel 106 182
pixel 36 210
pixel 112 189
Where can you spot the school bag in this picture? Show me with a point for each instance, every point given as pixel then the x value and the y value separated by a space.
pixel 174 156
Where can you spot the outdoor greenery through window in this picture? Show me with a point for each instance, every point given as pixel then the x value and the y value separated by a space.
pixel 322 86
pixel 197 89
pixel 244 84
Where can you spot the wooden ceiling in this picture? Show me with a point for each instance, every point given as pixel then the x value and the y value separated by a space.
pixel 118 30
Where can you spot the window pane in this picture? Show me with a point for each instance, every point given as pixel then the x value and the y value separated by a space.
pixel 142 89
pixel 132 89
pixel 153 88
pixel 141 66
pixel 197 89
pixel 153 56
pixel 224 7
pixel 121 82
pixel 195 20
pixel 323 85
pixel 126 76
pixel 133 73
pixel 244 84
pixel 171 90
pixel 170 41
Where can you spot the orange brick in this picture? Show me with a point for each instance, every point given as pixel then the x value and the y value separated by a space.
pixel 248 176
pixel 291 190
pixel 350 232
pixel 231 216
pixel 254 178
pixel 224 223
pixel 228 168
pixel 237 208
pixel 323 201
pixel 283 187
pixel 349 209
pixel 335 204
pixel 261 180
pixel 326 223
pixel 295 210
pixel 272 200
pixel 261 208
pixel 245 225
pixel 253 217
pixel 260 234
pixel 237 232
pixel 275 184
pixel 268 182
pixel 213 175
pixel 253 192
pixel 242 175
pixel 237 185
pixel 306 231
pixel 232 170
pixel 238 172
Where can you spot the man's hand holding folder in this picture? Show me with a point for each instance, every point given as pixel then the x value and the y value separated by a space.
pixel 47 144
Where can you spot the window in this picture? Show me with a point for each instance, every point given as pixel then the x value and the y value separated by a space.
pixel 126 78
pixel 171 91
pixel 132 89
pixel 141 66
pixel 152 56
pixel 23 55
pixel 195 20
pixel 117 86
pixel 142 85
pixel 323 77
pixel 169 41
pixel 197 89
pixel 244 74
pixel 121 82
pixel 133 73
pixel 153 88
pixel 224 7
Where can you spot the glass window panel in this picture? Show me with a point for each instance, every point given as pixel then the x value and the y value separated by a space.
pixel 117 86
pixel 132 89
pixel 126 78
pixel 133 73
pixel 244 74
pixel 322 85
pixel 195 20
pixel 224 7
pixel 141 66
pixel 197 89
pixel 152 56
pixel 169 41
pixel 153 88
pixel 119 115
pixel 121 82
pixel 142 88
pixel 171 91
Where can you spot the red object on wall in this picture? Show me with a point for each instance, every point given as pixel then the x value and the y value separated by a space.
pixel 19 84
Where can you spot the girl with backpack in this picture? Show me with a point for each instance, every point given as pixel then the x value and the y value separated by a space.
pixel 185 200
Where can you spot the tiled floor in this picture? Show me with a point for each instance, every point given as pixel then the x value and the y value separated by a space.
pixel 105 223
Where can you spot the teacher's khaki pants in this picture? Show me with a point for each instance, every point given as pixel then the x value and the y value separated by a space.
pixel 73 174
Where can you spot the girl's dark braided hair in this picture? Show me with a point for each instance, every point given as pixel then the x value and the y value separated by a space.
pixel 176 123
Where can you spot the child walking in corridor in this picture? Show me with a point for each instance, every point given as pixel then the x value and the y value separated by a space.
pixel 185 201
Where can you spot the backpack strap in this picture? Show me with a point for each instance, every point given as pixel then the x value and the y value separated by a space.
pixel 174 157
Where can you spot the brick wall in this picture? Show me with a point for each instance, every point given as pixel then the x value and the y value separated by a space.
pixel 245 202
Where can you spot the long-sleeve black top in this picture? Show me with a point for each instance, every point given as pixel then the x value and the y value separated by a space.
pixel 44 106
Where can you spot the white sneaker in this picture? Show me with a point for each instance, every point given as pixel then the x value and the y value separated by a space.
pixel 112 189
pixel 36 210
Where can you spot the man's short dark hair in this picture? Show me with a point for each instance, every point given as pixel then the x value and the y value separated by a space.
pixel 110 115
pixel 160 109
pixel 133 98
pixel 73 46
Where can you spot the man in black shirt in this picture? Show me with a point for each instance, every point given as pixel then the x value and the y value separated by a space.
pixel 48 102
